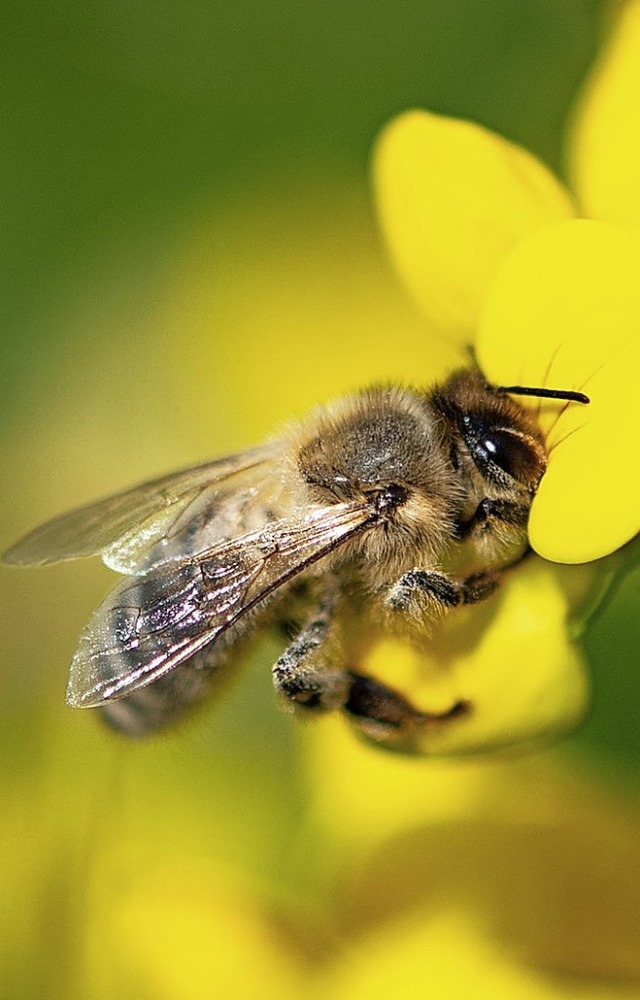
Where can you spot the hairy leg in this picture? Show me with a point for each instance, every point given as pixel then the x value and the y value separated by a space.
pixel 432 593
pixel 302 675
pixel 493 515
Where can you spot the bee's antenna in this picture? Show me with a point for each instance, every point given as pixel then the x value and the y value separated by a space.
pixel 524 390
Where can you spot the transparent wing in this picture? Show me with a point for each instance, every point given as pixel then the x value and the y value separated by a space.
pixel 149 625
pixel 197 522
pixel 140 515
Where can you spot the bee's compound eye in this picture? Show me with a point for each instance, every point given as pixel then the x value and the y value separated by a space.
pixel 510 453
pixel 497 448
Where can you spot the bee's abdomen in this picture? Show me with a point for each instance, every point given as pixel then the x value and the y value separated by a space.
pixel 168 699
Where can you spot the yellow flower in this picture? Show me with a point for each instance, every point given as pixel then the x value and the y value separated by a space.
pixel 489 243
pixel 604 144
pixel 492 247
pixel 528 889
pixel 512 659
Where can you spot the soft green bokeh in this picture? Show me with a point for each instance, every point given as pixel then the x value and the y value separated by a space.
pixel 189 258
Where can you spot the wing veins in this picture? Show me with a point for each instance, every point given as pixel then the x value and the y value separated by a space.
pixel 96 526
pixel 163 661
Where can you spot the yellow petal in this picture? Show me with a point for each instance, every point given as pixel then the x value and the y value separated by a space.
pixel 180 933
pixel 449 949
pixel 605 140
pixel 509 661
pixel 463 901
pixel 522 677
pixel 564 312
pixel 362 796
pixel 594 486
pixel 452 199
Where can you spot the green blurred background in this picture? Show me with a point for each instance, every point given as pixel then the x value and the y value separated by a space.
pixel 118 118
pixel 188 245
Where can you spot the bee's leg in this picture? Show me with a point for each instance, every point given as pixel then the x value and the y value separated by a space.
pixel 429 592
pixel 301 675
pixel 382 714
pixel 491 513
pixel 387 717
pixel 376 703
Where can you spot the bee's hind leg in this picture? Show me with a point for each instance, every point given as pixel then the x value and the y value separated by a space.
pixel 371 702
pixel 388 718
pixel 302 675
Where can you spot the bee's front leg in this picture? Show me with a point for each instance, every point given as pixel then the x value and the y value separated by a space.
pixel 302 675
pixel 490 515
pixel 432 593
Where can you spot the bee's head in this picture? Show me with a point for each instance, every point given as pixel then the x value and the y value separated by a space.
pixel 502 439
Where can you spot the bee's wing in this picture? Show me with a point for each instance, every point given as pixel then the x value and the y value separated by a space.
pixel 150 507
pixel 149 625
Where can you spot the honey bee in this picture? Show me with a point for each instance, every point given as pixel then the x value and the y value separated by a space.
pixel 390 506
